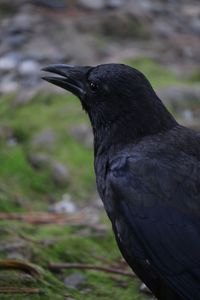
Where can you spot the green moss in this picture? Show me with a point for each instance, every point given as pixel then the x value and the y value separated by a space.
pixel 53 243
pixel 57 113
pixel 22 181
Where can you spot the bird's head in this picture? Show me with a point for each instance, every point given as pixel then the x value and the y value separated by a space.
pixel 101 86
pixel 113 94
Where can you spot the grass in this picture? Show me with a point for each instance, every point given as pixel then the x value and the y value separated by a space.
pixel 58 114
pixel 67 244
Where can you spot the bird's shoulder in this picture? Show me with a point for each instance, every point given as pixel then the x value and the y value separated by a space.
pixel 153 191
pixel 164 168
pixel 179 146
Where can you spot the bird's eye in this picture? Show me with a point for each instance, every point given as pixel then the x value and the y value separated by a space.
pixel 93 86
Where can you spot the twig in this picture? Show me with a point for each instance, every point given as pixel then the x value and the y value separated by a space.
pixel 19 265
pixel 45 218
pixel 16 290
pixel 54 267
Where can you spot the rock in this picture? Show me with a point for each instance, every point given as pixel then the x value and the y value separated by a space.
pixel 74 280
pixel 188 116
pixel 140 8
pixel 20 29
pixel 44 53
pixel 124 26
pixel 29 67
pixel 75 39
pixel 83 134
pixel 9 62
pixel 45 138
pixel 64 206
pixel 52 4
pixel 195 25
pixel 176 95
pixel 82 48
pixel 163 29
pixel 184 101
pixel 21 23
pixel 38 160
pixel 60 173
pixel 16 40
pixel 92 4
pixel 114 3
pixel 12 141
pixel 8 85
pixel 190 10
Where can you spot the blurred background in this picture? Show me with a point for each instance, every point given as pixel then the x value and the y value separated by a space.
pixel 49 209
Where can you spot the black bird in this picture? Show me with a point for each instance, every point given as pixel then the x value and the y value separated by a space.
pixel 147 172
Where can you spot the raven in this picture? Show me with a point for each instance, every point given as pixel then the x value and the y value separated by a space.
pixel 147 172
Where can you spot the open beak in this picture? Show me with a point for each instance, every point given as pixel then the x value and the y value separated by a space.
pixel 70 78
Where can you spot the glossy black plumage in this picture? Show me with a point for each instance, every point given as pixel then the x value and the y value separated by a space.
pixel 148 175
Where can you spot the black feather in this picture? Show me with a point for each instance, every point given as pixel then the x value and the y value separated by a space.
pixel 148 176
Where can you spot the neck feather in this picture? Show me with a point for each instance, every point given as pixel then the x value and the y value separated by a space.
pixel 129 126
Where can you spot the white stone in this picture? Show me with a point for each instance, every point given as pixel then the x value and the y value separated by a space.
pixel 28 67
pixel 7 63
pixel 7 87
pixel 64 206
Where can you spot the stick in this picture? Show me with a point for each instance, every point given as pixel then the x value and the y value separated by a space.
pixel 89 267
pixel 19 265
pixel 45 218
pixel 15 290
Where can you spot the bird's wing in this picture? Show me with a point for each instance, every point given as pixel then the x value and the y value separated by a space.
pixel 159 199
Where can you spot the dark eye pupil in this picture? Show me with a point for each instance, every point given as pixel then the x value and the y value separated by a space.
pixel 93 86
